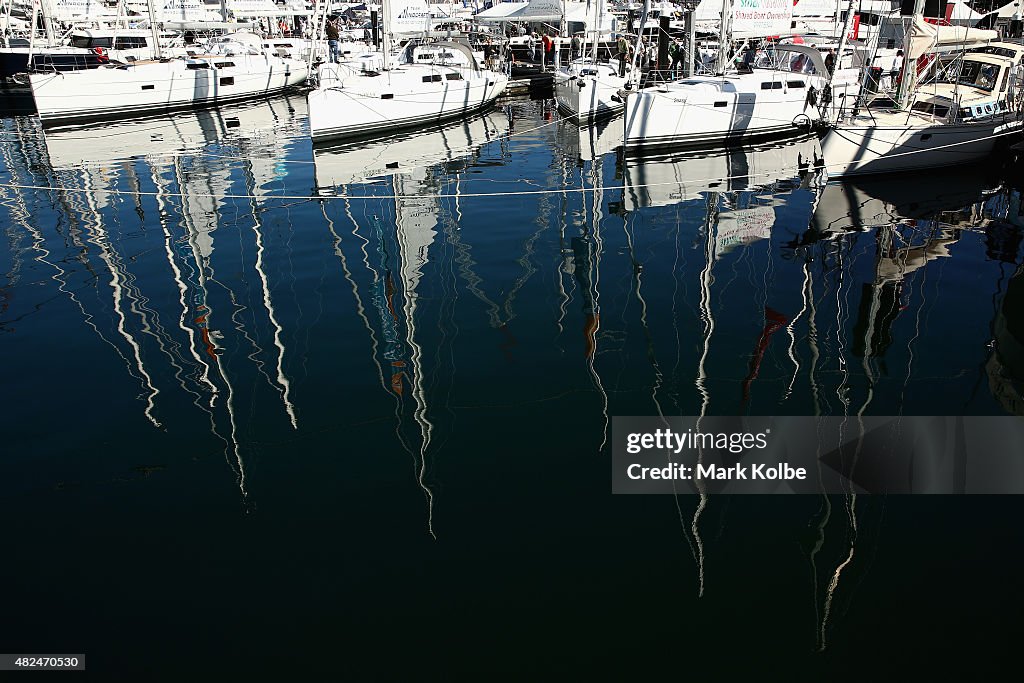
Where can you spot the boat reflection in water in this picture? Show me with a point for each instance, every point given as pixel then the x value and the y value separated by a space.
pixel 1006 365
pixel 908 225
pixel 851 311
pixel 738 184
pixel 872 202
pixel 397 242
pixel 196 169
pixel 410 153
pixel 736 192
pixel 589 143
pixel 430 333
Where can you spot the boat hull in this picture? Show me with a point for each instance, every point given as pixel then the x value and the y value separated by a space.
pixel 589 97
pixel 366 105
pixel 157 87
pixel 860 148
pixel 737 108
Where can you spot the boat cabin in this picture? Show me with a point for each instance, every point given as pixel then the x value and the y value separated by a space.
pixel 110 39
pixel 976 86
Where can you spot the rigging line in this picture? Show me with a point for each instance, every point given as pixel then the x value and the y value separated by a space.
pixel 462 195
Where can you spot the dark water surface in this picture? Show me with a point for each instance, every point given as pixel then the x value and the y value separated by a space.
pixel 272 410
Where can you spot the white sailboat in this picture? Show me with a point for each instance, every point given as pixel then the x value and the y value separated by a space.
pixel 586 88
pixel 431 83
pixel 105 36
pixel 956 117
pixel 234 71
pixel 775 92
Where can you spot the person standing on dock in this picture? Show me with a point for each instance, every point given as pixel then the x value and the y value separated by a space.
pixel 830 60
pixel 332 39
pixel 895 69
pixel 622 46
pixel 675 51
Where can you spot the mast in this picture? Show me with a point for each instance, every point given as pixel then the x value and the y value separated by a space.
pixel 724 36
pixel 51 38
pixel 691 42
pixel 635 74
pixel 842 47
pixel 598 5
pixel 908 75
pixel 154 29
pixel 385 10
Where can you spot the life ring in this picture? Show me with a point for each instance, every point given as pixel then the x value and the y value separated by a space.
pixel 101 54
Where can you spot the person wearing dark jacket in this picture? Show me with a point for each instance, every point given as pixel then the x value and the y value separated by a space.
pixel 332 40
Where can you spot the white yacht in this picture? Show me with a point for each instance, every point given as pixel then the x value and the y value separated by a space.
pixel 772 91
pixel 956 117
pixel 588 90
pixel 234 71
pixel 87 49
pixel 585 88
pixel 431 83
pixel 777 94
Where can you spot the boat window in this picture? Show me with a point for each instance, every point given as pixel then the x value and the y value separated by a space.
pixel 800 63
pixel 387 96
pixel 1000 51
pixel 129 42
pixel 197 66
pixel 222 65
pixel 92 42
pixel 227 80
pixel 937 110
pixel 148 87
pixel 425 55
pixel 976 74
pixel 454 77
pixel 721 104
pixel 427 79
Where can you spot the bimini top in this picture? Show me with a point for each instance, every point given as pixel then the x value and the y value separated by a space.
pixel 448 53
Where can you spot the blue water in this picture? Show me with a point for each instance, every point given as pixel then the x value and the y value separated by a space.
pixel 346 411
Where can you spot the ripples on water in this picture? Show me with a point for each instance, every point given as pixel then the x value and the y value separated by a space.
pixel 265 397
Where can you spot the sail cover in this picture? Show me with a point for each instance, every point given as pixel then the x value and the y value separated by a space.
pixel 925 37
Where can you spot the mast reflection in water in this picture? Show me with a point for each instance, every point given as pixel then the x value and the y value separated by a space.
pixel 365 392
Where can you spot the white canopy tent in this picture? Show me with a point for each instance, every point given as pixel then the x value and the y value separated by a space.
pixel 500 11
pixel 755 19
pixel 263 8
pixel 547 11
